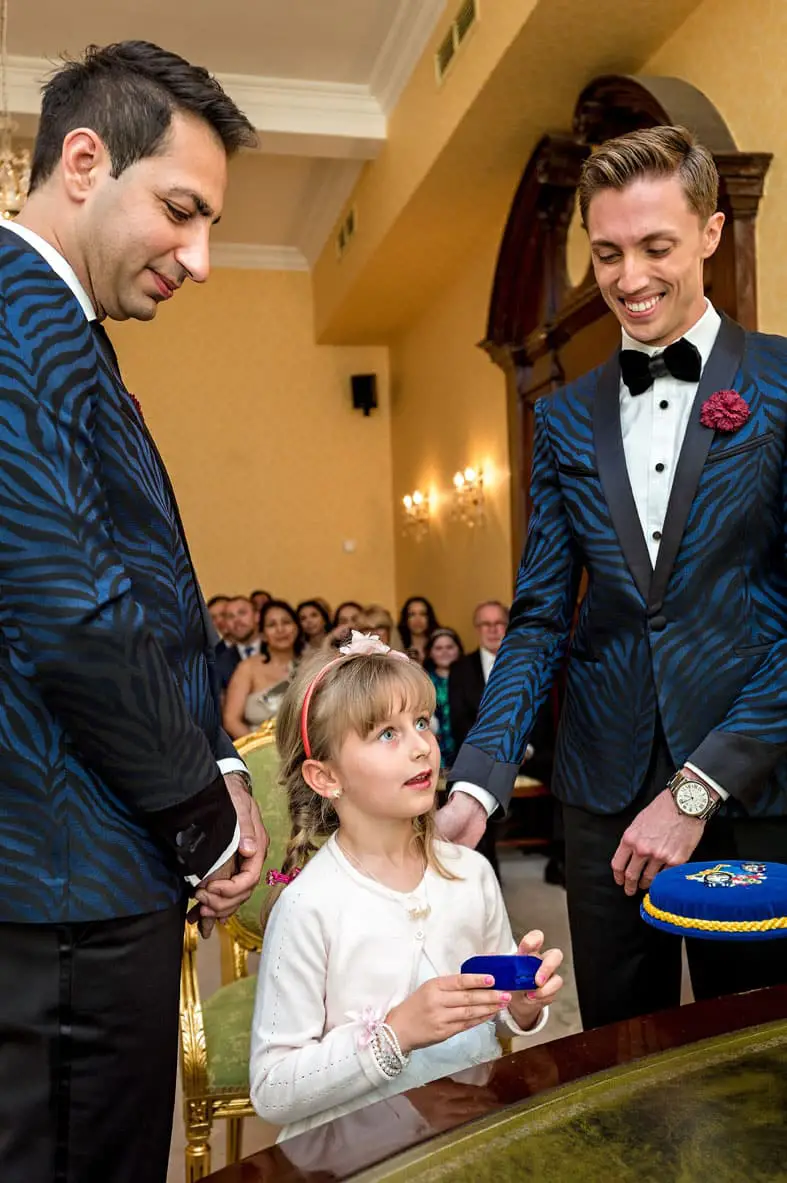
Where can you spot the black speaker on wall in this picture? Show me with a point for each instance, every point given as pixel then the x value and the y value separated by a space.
pixel 364 388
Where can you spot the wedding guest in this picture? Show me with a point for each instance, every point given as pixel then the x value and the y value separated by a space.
pixel 259 599
pixel 361 1001
pixel 241 638
pixel 257 687
pixel 417 622
pixel 315 624
pixel 378 621
pixel 443 648
pixel 217 606
pixel 347 616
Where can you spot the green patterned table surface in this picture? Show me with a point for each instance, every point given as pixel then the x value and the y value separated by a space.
pixel 714 1112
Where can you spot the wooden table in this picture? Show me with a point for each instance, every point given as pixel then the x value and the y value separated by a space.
pixel 638 1063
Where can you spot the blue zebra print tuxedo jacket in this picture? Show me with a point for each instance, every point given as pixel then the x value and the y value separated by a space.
pixel 109 724
pixel 702 639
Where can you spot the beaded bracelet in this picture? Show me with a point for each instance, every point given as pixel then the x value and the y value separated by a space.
pixel 387 1051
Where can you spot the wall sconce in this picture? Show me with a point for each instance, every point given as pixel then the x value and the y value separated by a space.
pixel 416 514
pixel 469 497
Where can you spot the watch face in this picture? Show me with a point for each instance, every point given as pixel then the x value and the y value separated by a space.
pixel 692 798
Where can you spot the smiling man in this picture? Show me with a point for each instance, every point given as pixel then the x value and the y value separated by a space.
pixel 120 795
pixel 663 476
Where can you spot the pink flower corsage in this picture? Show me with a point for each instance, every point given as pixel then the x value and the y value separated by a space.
pixel 724 411
pixel 371 1021
pixel 275 877
pixel 136 403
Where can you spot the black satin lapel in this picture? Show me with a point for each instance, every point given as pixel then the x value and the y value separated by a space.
pixel 719 374
pixel 611 461
pixel 134 417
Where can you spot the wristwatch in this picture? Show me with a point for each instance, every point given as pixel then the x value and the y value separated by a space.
pixel 692 797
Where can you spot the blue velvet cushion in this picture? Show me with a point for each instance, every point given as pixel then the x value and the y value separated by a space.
pixel 727 901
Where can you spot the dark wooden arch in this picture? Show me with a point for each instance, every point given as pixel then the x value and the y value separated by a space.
pixel 542 329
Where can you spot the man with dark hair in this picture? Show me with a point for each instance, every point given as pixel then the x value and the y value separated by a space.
pixel 241 638
pixel 217 606
pixel 662 475
pixel 119 788
pixel 259 599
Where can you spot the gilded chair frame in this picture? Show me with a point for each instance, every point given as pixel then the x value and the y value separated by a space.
pixel 202 1106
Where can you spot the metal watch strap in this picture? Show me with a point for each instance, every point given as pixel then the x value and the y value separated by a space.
pixel 714 803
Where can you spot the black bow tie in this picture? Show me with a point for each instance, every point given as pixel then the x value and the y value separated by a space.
pixel 681 359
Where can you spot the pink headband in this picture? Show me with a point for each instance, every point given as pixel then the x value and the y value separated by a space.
pixel 359 645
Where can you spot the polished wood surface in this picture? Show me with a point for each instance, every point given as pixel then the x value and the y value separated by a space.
pixel 356 1140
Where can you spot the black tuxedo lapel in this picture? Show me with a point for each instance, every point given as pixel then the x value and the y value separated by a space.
pixel 719 374
pixel 134 416
pixel 611 460
pixel 478 672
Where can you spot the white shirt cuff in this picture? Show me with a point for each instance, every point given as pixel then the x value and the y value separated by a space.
pixel 486 799
pixel 708 780
pixel 194 880
pixel 512 1025
pixel 232 764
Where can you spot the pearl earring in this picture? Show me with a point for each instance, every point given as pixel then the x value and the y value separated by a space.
pixel 336 794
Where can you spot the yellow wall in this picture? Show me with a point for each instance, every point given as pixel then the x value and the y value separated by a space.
pixel 734 53
pixel 448 412
pixel 273 468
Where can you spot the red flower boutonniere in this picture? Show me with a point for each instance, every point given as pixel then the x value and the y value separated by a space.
pixel 135 401
pixel 724 411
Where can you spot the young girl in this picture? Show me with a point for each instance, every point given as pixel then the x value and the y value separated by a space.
pixel 359 994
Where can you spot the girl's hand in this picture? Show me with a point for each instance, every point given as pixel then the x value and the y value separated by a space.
pixel 443 1007
pixel 526 1006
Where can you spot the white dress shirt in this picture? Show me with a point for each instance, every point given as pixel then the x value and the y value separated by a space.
pixel 653 426
pixel 487 661
pixel 249 649
pixel 65 271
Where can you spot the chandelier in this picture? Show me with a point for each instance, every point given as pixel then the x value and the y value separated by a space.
pixel 14 163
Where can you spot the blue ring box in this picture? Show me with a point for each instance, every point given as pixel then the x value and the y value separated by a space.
pixel 510 973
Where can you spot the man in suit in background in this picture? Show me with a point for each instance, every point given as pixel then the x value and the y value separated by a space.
pixel 241 638
pixel 217 607
pixel 117 792
pixel 467 680
pixel 662 474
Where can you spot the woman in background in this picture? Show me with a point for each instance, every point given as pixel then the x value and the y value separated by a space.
pixel 443 648
pixel 258 685
pixel 315 624
pixel 348 616
pixel 378 622
pixel 417 622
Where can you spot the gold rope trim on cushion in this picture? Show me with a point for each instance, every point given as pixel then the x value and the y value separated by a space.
pixel 714 925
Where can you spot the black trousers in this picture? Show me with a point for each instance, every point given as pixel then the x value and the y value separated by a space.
pixel 623 966
pixel 88 1049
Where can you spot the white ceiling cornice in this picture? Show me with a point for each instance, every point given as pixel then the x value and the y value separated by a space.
pixel 402 49
pixel 327 200
pixel 290 116
pixel 247 257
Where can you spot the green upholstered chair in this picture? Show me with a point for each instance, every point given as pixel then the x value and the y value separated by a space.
pixel 215 1033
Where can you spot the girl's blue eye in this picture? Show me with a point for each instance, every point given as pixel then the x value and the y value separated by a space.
pixel 386 734
pixel 422 724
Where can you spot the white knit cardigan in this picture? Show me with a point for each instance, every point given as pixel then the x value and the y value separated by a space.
pixel 339 947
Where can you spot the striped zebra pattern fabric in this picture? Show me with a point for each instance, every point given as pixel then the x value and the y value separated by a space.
pixel 702 639
pixel 109 722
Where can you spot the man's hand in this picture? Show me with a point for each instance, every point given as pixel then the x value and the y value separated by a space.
pixel 462 819
pixel 660 836
pixel 222 893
